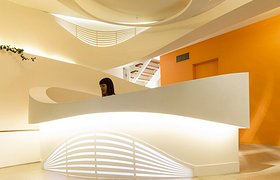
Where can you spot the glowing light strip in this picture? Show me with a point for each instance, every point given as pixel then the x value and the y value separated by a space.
pixel 80 171
pixel 113 160
pixel 156 175
pixel 115 173
pixel 37 52
pixel 114 167
pixel 81 154
pixel 81 148
pixel 152 163
pixel 105 160
pixel 153 152
pixel 113 142
pixel 90 23
pixel 58 151
pixel 114 148
pixel 81 165
pixel 54 164
pixel 113 154
pixel 57 160
pixel 159 166
pixel 170 162
pixel 82 160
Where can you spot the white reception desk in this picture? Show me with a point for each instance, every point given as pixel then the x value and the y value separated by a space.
pixel 178 131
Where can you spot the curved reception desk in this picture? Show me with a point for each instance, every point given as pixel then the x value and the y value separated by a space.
pixel 173 132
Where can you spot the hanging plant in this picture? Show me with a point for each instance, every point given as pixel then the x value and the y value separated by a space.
pixel 16 51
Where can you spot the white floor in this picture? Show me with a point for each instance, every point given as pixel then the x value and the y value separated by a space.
pixel 257 162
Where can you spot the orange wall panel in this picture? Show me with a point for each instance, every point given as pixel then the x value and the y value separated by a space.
pixel 254 49
pixel 205 69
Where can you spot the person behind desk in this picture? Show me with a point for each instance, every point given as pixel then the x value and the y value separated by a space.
pixel 107 87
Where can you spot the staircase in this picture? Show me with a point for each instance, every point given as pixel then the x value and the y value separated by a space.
pixel 144 73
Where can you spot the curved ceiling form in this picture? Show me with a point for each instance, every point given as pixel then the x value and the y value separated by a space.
pixel 126 12
pixel 96 33
pixel 144 12
pixel 40 31
pixel 141 13
pixel 133 16
pixel 115 16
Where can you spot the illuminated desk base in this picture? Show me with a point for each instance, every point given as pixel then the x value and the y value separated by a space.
pixel 142 145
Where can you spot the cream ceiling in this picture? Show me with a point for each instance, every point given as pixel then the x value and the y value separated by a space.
pixel 133 12
pixel 129 12
pixel 29 24
pixel 39 30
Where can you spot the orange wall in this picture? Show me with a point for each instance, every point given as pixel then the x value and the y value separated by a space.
pixel 254 49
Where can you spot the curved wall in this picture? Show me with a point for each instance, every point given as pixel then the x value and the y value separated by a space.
pixel 223 99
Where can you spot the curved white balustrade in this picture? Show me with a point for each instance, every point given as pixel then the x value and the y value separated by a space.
pixel 194 123
pixel 223 99
pixel 100 38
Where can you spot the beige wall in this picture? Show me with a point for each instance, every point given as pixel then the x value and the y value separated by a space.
pixel 17 77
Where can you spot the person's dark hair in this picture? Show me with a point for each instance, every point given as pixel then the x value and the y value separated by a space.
pixel 110 86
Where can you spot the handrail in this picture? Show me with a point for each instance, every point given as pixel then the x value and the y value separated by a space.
pixel 100 38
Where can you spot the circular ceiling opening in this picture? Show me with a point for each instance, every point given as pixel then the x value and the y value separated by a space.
pixel 143 12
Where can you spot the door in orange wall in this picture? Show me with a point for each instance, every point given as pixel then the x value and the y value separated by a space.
pixel 205 69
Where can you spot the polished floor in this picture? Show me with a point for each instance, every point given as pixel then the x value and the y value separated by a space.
pixel 257 162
